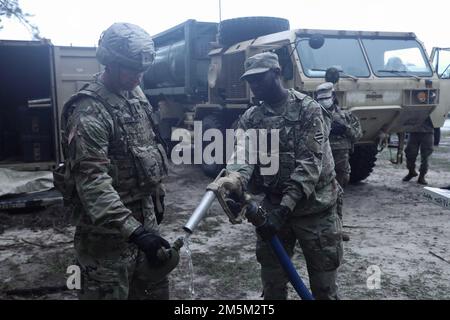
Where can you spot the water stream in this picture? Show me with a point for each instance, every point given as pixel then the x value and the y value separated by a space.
pixel 188 255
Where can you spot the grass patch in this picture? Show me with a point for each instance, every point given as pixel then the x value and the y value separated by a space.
pixel 233 276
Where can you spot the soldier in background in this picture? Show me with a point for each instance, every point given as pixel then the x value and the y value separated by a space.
pixel 345 130
pixel 421 139
pixel 113 171
pixel 301 197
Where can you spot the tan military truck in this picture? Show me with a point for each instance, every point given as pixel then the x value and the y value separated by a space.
pixel 440 58
pixel 36 78
pixel 386 78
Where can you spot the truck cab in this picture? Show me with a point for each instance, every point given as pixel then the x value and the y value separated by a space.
pixel 386 79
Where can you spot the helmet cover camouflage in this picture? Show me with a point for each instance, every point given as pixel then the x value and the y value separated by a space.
pixel 127 45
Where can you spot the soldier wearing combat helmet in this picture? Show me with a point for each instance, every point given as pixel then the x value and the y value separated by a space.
pixel 345 130
pixel 301 197
pixel 113 172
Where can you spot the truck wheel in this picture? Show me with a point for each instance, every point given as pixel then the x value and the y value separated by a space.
pixel 362 161
pixel 240 29
pixel 212 122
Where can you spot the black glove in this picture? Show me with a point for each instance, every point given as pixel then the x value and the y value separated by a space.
pixel 274 221
pixel 337 129
pixel 234 203
pixel 149 243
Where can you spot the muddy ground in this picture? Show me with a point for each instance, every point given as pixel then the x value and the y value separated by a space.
pixel 391 226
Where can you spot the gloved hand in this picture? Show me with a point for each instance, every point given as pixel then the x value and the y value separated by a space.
pixel 231 182
pixel 149 243
pixel 234 203
pixel 337 128
pixel 274 221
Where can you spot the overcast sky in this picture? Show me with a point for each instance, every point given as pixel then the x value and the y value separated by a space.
pixel 80 22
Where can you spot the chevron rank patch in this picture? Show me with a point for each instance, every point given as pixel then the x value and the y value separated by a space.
pixel 319 136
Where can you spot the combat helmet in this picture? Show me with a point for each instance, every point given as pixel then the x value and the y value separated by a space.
pixel 127 45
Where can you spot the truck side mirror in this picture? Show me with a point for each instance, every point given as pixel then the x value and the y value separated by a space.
pixel 316 41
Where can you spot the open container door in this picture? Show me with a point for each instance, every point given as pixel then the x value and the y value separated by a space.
pixel 27 106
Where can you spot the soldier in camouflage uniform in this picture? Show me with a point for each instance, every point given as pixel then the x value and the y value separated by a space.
pixel 345 129
pixel 301 196
pixel 421 139
pixel 344 132
pixel 113 170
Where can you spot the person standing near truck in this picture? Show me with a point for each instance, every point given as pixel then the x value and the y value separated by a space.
pixel 113 172
pixel 301 197
pixel 420 139
pixel 345 130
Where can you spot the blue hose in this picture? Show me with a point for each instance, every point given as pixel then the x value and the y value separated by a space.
pixel 289 268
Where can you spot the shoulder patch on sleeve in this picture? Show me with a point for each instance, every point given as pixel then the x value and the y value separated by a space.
pixel 318 136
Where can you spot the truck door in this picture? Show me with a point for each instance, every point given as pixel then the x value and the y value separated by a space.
pixel 74 66
pixel 441 63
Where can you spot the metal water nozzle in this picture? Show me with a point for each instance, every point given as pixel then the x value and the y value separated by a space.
pixel 200 212
pixel 215 190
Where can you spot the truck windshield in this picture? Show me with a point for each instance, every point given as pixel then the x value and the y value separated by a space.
pixel 345 54
pixel 397 58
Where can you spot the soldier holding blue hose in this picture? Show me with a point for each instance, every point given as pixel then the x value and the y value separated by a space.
pixel 301 197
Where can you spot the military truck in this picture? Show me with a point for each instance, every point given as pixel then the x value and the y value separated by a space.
pixel 36 79
pixel 440 58
pixel 386 78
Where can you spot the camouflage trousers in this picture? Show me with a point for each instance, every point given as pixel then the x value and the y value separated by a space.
pixel 112 268
pixel 342 166
pixel 422 141
pixel 320 238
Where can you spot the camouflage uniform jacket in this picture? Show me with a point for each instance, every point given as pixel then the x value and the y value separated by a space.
pixel 112 157
pixel 353 131
pixel 305 179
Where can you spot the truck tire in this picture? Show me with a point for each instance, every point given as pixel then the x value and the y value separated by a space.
pixel 362 161
pixel 240 29
pixel 212 122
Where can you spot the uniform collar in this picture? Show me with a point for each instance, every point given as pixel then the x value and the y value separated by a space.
pixel 114 99
pixel 289 107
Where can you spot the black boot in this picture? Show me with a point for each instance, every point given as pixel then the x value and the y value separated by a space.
pixel 412 173
pixel 422 180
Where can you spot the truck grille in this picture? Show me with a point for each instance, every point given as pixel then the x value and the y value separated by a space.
pixel 233 66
